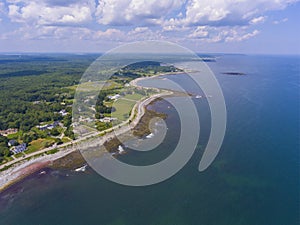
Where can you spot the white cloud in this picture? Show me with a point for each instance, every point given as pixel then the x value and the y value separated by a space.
pixel 257 20
pixel 132 12
pixel 40 12
pixel 205 11
pixel 136 34
pixel 221 34
pixel 28 32
pixel 199 33
pixel 280 21
pixel 2 10
pixel 235 36
pixel 228 12
pixel 144 33
pixel 2 7
pixel 13 11
pixel 145 12
pixel 200 20
pixel 110 34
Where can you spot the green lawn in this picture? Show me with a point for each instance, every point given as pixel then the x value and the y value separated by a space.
pixel 7 159
pixel 123 109
pixel 18 155
pixel 53 151
pixel 108 104
pixel 94 86
pixel 14 136
pixel 66 139
pixel 39 144
pixel 124 106
pixel 134 97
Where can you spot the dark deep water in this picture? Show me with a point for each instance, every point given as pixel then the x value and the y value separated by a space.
pixel 253 181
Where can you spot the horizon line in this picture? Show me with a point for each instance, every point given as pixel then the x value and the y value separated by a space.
pixel 101 53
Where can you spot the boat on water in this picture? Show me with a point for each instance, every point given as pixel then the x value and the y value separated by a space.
pixel 121 149
pixel 81 169
pixel 150 135
pixel 198 96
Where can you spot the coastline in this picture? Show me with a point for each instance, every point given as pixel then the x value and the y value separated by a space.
pixel 21 169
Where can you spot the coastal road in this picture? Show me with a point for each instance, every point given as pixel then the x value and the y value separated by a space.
pixel 118 129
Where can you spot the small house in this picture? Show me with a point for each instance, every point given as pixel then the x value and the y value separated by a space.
pixel 114 97
pixel 20 148
pixel 8 131
pixel 63 112
pixel 48 126
pixel 107 119
pixel 12 142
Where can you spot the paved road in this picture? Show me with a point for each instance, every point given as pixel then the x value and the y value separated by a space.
pixel 118 129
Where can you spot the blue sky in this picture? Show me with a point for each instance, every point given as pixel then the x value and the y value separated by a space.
pixel 214 26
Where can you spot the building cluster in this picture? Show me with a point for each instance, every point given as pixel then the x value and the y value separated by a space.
pixel 8 131
pixel 84 119
pixel 19 148
pixel 48 126
pixel 107 119
pixel 15 147
pixel 114 97
pixel 12 142
pixel 63 112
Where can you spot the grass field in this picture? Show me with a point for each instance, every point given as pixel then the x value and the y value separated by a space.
pixel 7 159
pixel 53 151
pixel 39 144
pixel 135 97
pixel 108 104
pixel 66 139
pixel 95 86
pixel 21 154
pixel 124 106
pixel 15 135
pixel 123 109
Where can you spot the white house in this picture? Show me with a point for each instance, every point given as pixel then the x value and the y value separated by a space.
pixel 114 97
pixel 107 119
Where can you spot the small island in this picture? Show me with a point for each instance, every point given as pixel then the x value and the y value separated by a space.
pixel 234 73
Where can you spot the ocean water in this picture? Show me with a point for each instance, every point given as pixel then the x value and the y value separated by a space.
pixel 253 181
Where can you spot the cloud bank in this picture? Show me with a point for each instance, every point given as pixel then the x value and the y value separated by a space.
pixel 130 20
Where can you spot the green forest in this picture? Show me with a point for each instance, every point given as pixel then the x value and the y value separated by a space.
pixel 33 89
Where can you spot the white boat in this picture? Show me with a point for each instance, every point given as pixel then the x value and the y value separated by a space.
pixel 121 150
pixel 198 96
pixel 150 135
pixel 81 169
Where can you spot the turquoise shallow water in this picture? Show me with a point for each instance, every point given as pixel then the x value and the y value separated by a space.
pixel 253 181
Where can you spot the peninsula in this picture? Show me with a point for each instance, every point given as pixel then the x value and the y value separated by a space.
pixel 122 102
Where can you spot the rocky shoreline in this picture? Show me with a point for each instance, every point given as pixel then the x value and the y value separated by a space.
pixel 70 157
